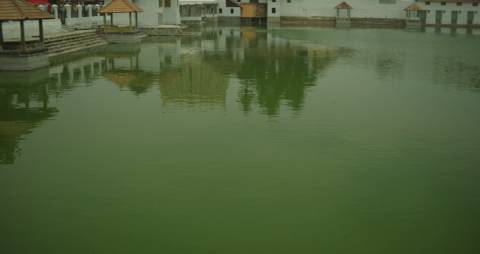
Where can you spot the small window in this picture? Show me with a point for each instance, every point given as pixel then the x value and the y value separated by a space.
pixel 220 10
pixel 273 1
pixel 168 3
pixel 443 3
pixel 475 3
pixel 232 11
pixel 289 1
pixel 427 3
pixel 274 10
pixel 459 3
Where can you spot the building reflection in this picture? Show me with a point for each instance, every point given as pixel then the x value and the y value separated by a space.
pixel 24 105
pixel 196 71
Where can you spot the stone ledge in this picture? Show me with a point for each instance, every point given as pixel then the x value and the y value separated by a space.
pixel 23 62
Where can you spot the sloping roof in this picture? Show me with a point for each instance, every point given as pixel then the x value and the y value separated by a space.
pixel 450 1
pixel 413 7
pixel 343 5
pixel 20 10
pixel 120 6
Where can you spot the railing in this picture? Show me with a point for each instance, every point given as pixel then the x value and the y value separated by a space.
pixel 67 11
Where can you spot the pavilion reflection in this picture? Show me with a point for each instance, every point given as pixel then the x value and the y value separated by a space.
pixel 123 68
pixel 24 105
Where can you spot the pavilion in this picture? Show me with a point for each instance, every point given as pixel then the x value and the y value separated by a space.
pixel 413 16
pixel 22 53
pixel 118 34
pixel 120 6
pixel 343 15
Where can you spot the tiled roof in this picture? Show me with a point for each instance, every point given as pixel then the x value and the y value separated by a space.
pixel 20 10
pixel 120 6
pixel 413 7
pixel 343 5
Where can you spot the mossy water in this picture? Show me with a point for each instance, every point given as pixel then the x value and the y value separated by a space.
pixel 293 140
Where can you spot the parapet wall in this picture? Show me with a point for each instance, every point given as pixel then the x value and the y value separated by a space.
pixel 355 22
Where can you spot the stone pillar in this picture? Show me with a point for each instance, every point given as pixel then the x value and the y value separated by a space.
pixel 136 19
pixel 68 10
pixel 97 7
pixel 40 30
pixel 22 34
pixel 79 10
pixel 1 33
pixel 55 10
pixel 89 10
pixel 42 7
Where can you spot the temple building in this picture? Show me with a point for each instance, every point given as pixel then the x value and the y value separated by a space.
pixel 159 12
pixel 362 13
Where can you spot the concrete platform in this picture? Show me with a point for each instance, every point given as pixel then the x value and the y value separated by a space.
pixel 16 61
pixel 119 38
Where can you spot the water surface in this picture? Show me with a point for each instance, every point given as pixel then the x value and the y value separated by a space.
pixel 297 140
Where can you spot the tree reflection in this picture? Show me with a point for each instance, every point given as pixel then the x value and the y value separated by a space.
pixel 193 82
pixel 273 72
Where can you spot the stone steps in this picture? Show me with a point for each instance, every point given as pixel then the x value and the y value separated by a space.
pixel 77 49
pixel 67 34
pixel 71 42
pixel 60 44
pixel 89 43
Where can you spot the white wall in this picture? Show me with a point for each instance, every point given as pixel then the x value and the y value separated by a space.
pixel 361 8
pixel 152 15
pixel 447 11
pixel 277 5
pixel 226 11
pixel 12 29
pixel 171 15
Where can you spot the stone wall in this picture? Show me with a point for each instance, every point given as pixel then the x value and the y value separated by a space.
pixel 317 21
pixel 377 23
pixel 23 62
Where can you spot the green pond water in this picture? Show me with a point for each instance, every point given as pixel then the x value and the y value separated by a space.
pixel 297 140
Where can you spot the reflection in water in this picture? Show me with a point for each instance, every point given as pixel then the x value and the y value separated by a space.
pixel 264 70
pixel 187 71
pixel 123 68
pixel 23 106
pixel 193 81
pixel 277 72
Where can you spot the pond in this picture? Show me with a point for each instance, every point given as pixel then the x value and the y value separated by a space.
pixel 292 140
